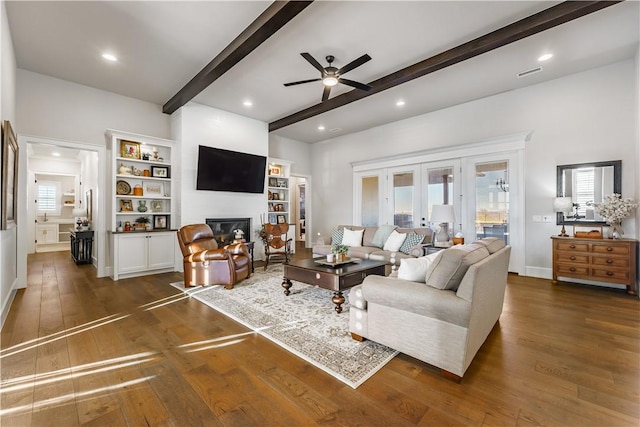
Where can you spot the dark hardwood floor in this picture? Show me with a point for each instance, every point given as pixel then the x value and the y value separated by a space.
pixel 77 350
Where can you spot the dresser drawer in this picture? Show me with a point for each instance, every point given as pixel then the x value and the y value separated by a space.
pixel 572 258
pixel 570 270
pixel 611 249
pixel 611 274
pixel 572 247
pixel 621 262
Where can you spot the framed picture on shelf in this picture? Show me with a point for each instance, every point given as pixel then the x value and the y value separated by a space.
pixel 159 171
pixel 157 205
pixel 130 150
pixel 150 188
pixel 273 182
pixel 126 205
pixel 9 176
pixel 160 222
pixel 275 170
pixel 275 196
pixel 282 183
pixel 281 219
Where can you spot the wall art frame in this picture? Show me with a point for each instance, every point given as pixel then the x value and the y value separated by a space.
pixel 9 177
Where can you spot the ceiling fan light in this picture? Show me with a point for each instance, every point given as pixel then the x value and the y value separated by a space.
pixel 330 81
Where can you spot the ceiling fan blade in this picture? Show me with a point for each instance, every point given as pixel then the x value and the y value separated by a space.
pixel 355 63
pixel 302 81
pixel 357 85
pixel 313 61
pixel 325 93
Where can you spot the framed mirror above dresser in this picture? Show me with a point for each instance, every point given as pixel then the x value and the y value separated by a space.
pixel 587 183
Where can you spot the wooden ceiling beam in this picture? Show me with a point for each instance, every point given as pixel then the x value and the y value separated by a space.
pixel 265 25
pixel 541 21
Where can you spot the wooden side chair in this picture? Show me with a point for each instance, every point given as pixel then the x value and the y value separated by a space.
pixel 276 244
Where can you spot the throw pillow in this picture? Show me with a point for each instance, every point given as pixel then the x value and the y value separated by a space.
pixel 394 241
pixel 352 238
pixel 449 269
pixel 382 234
pixel 415 269
pixel 336 236
pixel 411 240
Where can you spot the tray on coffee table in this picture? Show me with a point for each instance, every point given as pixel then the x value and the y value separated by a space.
pixel 347 260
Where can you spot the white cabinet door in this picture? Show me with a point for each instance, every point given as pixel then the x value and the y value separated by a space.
pixel 46 233
pixel 133 253
pixel 161 250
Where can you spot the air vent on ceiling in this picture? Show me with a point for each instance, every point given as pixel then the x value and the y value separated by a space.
pixel 335 130
pixel 529 72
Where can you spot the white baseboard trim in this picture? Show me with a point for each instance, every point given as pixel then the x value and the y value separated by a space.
pixel 6 304
pixel 539 272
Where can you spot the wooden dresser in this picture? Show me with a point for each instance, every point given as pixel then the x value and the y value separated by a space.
pixel 600 260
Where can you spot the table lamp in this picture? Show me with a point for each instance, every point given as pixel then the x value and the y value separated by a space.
pixel 443 215
pixel 79 214
pixel 564 205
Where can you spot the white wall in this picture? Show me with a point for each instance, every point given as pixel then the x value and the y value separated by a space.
pixel 195 125
pixel 295 151
pixel 8 238
pixel 62 110
pixel 590 116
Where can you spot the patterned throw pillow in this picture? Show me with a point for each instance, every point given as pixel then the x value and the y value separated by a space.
pixel 336 236
pixel 410 241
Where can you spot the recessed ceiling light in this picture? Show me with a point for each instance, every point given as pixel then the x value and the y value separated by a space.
pixel 545 57
pixel 320 127
pixel 247 103
pixel 109 57
pixel 55 154
pixel 400 103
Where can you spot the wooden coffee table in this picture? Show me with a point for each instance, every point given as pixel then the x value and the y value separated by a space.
pixel 335 279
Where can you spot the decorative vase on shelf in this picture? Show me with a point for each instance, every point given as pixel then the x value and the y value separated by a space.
pixel 616 230
pixel 142 205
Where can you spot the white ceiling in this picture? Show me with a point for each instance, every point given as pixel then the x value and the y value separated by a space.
pixel 161 45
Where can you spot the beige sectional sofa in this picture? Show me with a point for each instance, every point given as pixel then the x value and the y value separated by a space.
pixel 370 249
pixel 444 314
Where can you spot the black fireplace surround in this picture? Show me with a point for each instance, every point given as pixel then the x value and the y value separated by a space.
pixel 223 229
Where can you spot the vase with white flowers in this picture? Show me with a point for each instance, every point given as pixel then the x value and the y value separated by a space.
pixel 613 209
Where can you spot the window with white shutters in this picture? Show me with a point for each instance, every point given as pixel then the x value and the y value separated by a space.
pixel 49 197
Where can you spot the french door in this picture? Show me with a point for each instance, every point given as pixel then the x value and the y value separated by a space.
pixel 493 205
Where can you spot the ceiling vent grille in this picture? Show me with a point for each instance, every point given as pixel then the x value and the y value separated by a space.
pixel 529 72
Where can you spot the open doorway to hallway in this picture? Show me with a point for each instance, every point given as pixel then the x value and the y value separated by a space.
pixel 301 208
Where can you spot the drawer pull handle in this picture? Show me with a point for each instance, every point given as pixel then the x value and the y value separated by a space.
pixel 609 273
pixel 572 246
pixel 572 258
pixel 609 249
pixel 609 261
pixel 572 269
pixel 318 276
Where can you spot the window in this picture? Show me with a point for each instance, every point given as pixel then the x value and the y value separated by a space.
pixel 585 189
pixel 49 197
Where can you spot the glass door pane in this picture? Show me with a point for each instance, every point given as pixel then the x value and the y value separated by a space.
pixel 492 200
pixel 370 202
pixel 404 198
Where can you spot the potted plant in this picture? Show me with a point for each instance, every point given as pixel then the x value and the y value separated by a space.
pixel 340 251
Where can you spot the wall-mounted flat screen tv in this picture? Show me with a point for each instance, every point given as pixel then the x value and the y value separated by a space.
pixel 225 170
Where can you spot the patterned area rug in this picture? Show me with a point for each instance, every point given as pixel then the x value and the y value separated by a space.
pixel 305 323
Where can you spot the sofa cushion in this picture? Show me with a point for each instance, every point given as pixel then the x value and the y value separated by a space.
pixel 394 241
pixel 415 269
pixel 382 234
pixel 493 244
pixel 410 241
pixel 336 236
pixel 369 234
pixel 447 270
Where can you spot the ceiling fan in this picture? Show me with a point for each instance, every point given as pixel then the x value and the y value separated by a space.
pixel 331 76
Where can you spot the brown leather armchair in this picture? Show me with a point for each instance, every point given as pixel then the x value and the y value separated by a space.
pixel 276 244
pixel 206 264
